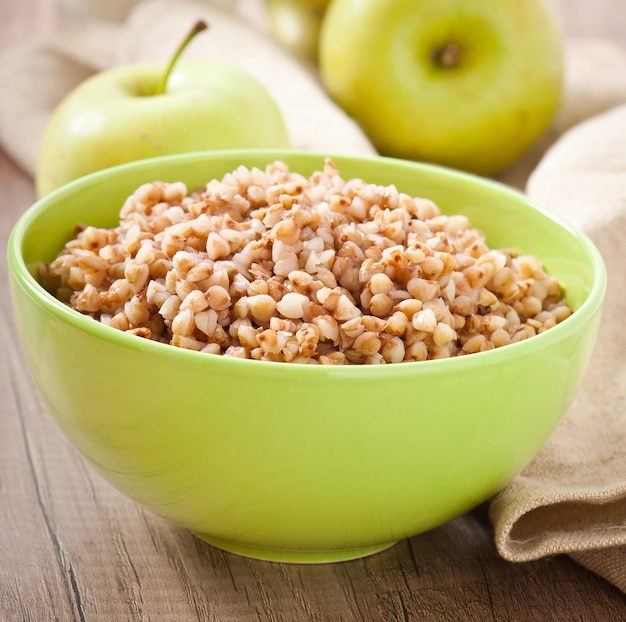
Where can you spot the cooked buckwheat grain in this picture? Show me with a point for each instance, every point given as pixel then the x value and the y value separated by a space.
pixel 271 265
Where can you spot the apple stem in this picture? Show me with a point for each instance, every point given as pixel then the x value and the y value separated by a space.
pixel 199 26
pixel 447 56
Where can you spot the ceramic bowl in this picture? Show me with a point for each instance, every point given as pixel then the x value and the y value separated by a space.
pixel 303 463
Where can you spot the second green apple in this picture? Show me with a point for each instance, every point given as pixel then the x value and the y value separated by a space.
pixel 296 24
pixel 469 84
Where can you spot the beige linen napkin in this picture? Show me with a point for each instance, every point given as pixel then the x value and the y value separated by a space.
pixel 572 497
pixel 36 75
pixel 33 79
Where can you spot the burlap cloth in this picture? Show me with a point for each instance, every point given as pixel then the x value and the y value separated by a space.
pixel 572 498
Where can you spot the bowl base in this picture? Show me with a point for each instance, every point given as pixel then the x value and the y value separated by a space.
pixel 295 556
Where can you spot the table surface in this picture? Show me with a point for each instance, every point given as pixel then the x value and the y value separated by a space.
pixel 74 549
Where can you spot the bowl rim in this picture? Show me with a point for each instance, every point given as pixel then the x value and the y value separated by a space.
pixel 21 274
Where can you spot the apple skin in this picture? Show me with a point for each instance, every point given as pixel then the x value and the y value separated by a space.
pixel 114 117
pixel 478 106
pixel 296 25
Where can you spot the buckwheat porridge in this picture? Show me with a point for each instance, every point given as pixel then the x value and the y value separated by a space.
pixel 272 265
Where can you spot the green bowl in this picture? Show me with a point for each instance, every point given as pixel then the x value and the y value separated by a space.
pixel 303 463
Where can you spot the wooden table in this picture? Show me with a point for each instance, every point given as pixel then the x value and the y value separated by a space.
pixel 74 549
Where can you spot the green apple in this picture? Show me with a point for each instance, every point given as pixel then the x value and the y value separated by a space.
pixel 144 110
pixel 469 84
pixel 296 24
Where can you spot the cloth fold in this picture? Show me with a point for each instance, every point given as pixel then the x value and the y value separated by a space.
pixel 33 80
pixel 572 498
